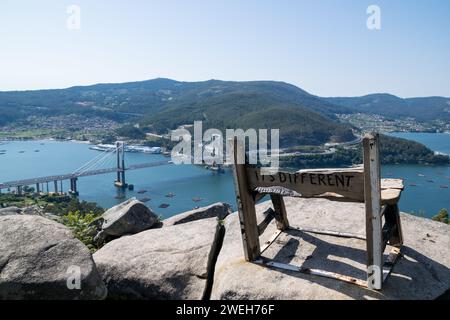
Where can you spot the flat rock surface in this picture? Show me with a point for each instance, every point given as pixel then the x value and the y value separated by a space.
pixel 422 273
pixel 165 263
pixel 37 258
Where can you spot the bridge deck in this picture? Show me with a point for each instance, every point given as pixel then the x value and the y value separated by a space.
pixel 32 181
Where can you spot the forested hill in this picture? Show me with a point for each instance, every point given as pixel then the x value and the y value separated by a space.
pixel 421 109
pixel 164 104
pixel 393 151
pixel 301 117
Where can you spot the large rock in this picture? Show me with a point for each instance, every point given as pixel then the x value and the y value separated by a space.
pixel 422 273
pixel 219 210
pixel 165 263
pixel 37 258
pixel 129 217
pixel 10 211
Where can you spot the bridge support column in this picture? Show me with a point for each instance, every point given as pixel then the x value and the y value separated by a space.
pixel 73 186
pixel 120 150
pixel 56 186
pixel 19 190
pixel 38 189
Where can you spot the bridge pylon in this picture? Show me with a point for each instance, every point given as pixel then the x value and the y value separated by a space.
pixel 120 151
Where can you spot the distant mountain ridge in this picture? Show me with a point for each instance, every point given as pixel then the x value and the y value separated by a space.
pixel 163 104
pixel 422 109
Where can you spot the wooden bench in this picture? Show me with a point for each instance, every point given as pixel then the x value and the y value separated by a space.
pixel 359 184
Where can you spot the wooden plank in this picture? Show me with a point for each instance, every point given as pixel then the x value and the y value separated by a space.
pixel 390 196
pixel 389 229
pixel 392 184
pixel 280 210
pixel 372 192
pixel 277 190
pixel 345 182
pixel 245 202
pixel 330 233
pixel 269 215
pixel 398 241
pixel 335 170
pixel 316 272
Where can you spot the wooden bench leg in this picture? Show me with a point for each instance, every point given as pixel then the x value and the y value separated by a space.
pixel 280 211
pixel 372 198
pixel 392 216
pixel 245 204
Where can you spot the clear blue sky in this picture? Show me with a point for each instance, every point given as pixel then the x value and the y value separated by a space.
pixel 322 46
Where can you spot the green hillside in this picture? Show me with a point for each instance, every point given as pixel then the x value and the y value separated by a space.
pixel 421 109
pixel 301 118
pixel 164 104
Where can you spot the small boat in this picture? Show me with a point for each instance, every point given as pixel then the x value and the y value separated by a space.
pixel 430 181
pixel 421 175
pixel 164 205
pixel 142 191
pixel 170 195
pixel 443 186
pixel 37 150
pixel 413 185
pixel 197 199
pixel 145 199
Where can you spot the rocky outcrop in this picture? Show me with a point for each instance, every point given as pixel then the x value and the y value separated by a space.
pixel 175 262
pixel 10 211
pixel 33 210
pixel 195 256
pixel 219 210
pixel 129 217
pixel 422 273
pixel 39 257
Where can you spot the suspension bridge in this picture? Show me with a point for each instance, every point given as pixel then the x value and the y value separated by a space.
pixel 95 166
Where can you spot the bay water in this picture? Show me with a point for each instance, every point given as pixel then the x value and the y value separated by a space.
pixel 424 194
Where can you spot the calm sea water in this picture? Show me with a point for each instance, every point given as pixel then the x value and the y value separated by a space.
pixel 427 198
pixel 188 182
pixel 185 181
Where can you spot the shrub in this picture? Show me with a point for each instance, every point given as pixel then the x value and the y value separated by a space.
pixel 442 216
pixel 82 227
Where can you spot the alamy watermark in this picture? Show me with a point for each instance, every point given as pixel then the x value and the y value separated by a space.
pixel 73 21
pixel 374 19
pixel 212 147
pixel 74 278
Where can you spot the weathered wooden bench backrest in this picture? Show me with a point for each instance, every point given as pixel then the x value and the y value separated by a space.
pixel 344 184
pixel 361 184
